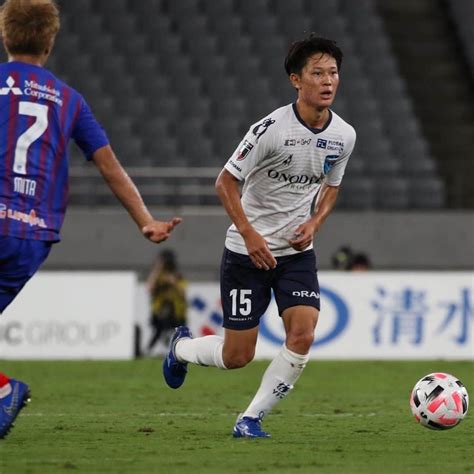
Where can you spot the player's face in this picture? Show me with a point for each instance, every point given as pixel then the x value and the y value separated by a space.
pixel 317 84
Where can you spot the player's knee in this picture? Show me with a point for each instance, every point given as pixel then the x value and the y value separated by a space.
pixel 238 360
pixel 300 341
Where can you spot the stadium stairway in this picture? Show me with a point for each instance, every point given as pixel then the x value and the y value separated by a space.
pixel 438 81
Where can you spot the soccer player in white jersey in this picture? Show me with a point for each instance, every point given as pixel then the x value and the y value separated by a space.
pixel 292 163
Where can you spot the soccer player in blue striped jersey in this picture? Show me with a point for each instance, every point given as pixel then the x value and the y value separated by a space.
pixel 39 114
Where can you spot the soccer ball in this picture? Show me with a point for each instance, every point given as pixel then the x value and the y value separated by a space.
pixel 439 401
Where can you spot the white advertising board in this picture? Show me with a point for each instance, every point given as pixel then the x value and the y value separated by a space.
pixel 377 315
pixel 71 315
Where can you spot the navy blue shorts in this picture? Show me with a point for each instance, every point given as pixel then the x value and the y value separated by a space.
pixel 246 290
pixel 19 261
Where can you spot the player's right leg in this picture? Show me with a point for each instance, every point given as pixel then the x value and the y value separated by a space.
pixel 236 349
pixel 245 293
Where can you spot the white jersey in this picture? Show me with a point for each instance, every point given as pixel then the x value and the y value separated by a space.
pixel 284 163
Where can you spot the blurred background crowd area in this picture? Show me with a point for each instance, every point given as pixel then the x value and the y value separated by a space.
pixel 177 83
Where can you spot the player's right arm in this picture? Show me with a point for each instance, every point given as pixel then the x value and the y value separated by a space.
pixel 227 187
pixel 126 192
pixel 256 145
pixel 92 140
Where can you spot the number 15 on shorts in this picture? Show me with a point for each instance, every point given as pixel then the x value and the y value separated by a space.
pixel 241 303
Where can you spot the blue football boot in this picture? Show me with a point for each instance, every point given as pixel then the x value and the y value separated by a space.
pixel 175 371
pixel 247 427
pixel 11 405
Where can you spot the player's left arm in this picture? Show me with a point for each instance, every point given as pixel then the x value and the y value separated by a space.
pixel 325 203
pixel 326 199
pixel 127 193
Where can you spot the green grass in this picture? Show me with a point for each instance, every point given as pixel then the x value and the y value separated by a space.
pixel 119 417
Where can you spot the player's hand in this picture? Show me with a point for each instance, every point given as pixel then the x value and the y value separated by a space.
pixel 158 231
pixel 303 236
pixel 258 250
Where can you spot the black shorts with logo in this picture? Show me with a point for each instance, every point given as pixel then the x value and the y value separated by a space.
pixel 246 290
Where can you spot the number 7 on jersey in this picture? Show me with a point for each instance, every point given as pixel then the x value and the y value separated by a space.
pixel 40 112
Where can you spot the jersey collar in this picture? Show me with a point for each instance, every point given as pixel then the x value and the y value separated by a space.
pixel 313 130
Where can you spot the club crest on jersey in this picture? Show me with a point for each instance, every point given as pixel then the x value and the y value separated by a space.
pixel 321 143
pixel 329 162
pixel 14 90
pixel 261 128
pixel 244 150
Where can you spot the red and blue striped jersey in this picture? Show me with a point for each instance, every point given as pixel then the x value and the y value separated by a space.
pixel 39 114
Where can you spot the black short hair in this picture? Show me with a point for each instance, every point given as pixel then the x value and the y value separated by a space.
pixel 300 51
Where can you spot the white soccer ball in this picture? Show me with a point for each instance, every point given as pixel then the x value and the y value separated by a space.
pixel 439 401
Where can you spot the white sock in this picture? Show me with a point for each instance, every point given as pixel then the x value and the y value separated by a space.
pixel 205 350
pixel 277 381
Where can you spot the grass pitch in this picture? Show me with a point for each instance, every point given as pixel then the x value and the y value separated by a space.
pixel 120 417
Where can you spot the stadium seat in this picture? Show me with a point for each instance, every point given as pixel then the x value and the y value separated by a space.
pixel 160 150
pixel 260 28
pixel 131 47
pixel 192 27
pixel 143 66
pixel 356 194
pixel 213 71
pixel 227 28
pixel 392 193
pixel 182 8
pixel 219 9
pixel 111 9
pixel 192 106
pixel 254 8
pixel 427 193
pixel 202 47
pixel 154 90
pixel 165 106
pixel 230 107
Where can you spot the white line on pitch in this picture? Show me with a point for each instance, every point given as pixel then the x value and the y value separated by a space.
pixel 195 415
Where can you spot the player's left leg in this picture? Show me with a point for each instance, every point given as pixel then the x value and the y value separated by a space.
pixel 14 395
pixel 19 261
pixel 287 366
pixel 296 291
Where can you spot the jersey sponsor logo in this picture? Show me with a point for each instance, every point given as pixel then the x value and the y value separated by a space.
pixel 329 162
pixel 27 218
pixel 340 309
pixel 10 88
pixel 306 294
pixel 41 91
pixel 297 141
pixel 302 179
pixel 335 145
pixel 321 143
pixel 244 150
pixel 261 128
pixel 288 161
